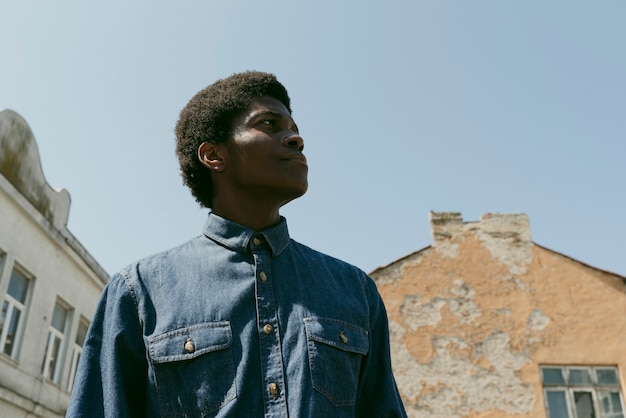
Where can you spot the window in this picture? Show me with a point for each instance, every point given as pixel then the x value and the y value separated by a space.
pixel 52 362
pixel 582 392
pixel 81 333
pixel 13 312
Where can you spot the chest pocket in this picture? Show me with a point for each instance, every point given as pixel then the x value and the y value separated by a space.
pixel 335 350
pixel 194 369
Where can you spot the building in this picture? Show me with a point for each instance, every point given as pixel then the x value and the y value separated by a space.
pixel 486 323
pixel 49 283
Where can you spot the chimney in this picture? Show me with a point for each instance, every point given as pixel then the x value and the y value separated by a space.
pixel 445 226
pixel 505 235
pixel 514 226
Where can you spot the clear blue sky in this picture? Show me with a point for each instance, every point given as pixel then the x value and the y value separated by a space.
pixel 404 106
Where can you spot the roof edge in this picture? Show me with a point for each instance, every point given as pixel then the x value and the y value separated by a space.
pixel 619 276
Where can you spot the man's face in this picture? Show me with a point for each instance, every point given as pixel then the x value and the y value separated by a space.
pixel 264 156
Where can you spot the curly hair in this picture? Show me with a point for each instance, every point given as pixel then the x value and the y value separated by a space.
pixel 208 117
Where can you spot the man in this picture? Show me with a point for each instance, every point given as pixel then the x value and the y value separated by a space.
pixel 241 321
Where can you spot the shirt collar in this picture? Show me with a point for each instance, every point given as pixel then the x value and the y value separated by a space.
pixel 237 237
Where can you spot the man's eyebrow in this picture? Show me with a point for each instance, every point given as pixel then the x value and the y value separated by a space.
pixel 265 112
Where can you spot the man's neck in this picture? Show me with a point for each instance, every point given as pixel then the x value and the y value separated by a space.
pixel 254 215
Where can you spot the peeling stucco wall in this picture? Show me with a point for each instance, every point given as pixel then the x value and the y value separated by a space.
pixel 473 316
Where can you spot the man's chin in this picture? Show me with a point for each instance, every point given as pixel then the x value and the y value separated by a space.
pixel 299 192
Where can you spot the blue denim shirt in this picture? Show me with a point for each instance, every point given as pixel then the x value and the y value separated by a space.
pixel 238 324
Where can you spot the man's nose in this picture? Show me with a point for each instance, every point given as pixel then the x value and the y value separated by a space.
pixel 295 142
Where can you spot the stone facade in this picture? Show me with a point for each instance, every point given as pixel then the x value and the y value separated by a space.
pixel 49 283
pixel 476 316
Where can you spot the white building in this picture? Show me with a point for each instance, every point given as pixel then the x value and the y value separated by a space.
pixel 49 283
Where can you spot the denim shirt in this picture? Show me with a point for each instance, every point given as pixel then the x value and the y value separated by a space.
pixel 238 324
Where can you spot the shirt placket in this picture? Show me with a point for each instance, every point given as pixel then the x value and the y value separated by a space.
pixel 273 377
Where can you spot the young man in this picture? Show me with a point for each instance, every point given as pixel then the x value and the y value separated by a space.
pixel 241 321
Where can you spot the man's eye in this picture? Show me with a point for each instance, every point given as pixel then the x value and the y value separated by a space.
pixel 269 122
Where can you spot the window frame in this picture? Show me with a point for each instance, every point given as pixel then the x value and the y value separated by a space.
pixel 594 387
pixel 77 351
pixel 13 305
pixel 54 333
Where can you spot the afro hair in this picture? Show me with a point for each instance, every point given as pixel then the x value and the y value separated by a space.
pixel 208 117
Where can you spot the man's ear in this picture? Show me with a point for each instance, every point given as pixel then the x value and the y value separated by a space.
pixel 212 156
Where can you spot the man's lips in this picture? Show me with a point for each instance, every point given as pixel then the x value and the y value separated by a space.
pixel 299 158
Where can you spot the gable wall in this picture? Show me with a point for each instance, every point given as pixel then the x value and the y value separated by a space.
pixel 473 317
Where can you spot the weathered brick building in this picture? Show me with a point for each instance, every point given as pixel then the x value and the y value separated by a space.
pixel 486 323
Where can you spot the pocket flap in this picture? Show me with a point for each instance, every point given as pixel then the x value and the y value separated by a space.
pixel 190 342
pixel 339 334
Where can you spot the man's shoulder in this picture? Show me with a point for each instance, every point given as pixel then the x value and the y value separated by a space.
pixel 332 268
pixel 174 255
pixel 328 260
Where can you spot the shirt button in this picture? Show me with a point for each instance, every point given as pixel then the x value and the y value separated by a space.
pixel 273 388
pixel 263 276
pixel 190 346
pixel 343 338
pixel 257 241
pixel 268 329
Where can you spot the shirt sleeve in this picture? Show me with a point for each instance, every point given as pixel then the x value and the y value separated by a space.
pixel 112 372
pixel 378 394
